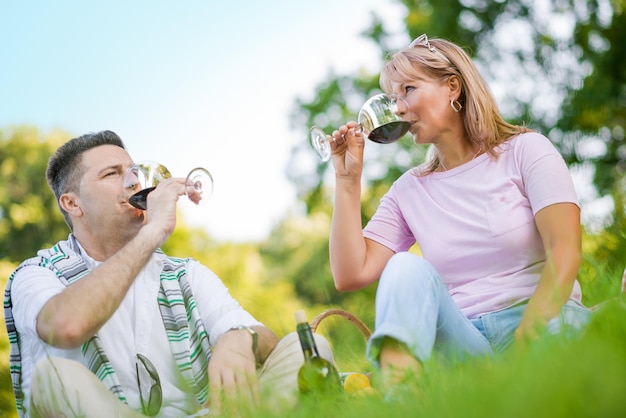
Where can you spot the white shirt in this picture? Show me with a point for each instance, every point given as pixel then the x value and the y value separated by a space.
pixel 136 327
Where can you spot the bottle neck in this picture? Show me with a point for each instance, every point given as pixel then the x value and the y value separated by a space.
pixel 309 349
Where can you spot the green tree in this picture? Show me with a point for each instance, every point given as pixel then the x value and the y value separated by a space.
pixel 592 125
pixel 29 216
pixel 7 401
pixel 296 253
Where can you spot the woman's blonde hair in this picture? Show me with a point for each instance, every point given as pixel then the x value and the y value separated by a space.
pixel 441 59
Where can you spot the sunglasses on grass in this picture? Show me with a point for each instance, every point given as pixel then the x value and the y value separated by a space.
pixel 150 393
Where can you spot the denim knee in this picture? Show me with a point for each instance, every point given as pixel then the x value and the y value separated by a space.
pixel 407 303
pixel 408 272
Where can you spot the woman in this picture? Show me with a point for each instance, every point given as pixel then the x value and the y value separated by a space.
pixel 493 211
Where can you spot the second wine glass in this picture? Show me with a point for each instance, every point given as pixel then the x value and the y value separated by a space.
pixel 378 120
pixel 143 177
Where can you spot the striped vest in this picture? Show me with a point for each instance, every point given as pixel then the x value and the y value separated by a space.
pixel 188 339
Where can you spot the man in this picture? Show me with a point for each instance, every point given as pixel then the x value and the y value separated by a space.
pixel 105 324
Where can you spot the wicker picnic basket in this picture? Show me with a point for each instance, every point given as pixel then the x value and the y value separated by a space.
pixel 360 325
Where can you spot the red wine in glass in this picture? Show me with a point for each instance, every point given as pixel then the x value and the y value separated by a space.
pixel 378 120
pixel 140 199
pixel 142 178
pixel 390 132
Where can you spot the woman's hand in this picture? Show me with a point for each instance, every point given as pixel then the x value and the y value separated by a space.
pixel 347 150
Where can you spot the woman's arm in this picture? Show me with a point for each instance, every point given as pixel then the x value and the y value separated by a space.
pixel 559 227
pixel 355 261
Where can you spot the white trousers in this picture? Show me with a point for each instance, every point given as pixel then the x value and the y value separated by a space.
pixel 65 388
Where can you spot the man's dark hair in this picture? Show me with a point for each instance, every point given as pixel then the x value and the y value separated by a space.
pixel 64 166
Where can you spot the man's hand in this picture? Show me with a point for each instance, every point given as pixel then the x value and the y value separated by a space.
pixel 161 213
pixel 232 372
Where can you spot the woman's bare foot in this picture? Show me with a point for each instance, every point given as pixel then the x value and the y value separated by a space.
pixel 397 363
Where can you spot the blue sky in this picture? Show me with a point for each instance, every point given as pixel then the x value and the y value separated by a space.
pixel 186 83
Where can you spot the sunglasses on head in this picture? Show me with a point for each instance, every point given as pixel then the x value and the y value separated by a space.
pixel 422 40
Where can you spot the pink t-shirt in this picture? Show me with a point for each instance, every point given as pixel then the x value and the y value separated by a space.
pixel 475 222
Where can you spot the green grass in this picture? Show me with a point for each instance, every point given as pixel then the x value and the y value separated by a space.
pixel 556 377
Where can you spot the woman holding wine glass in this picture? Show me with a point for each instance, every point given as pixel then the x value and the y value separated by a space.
pixel 493 210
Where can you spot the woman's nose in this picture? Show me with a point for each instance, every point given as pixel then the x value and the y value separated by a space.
pixel 401 106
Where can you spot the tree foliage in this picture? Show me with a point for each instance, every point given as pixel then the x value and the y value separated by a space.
pixel 596 110
pixel 29 216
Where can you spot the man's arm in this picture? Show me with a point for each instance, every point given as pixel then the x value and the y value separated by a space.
pixel 73 316
pixel 267 343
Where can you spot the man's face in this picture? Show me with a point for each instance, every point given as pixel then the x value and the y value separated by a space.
pixel 101 190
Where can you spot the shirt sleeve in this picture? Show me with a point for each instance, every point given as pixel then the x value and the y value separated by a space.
pixel 546 177
pixel 388 226
pixel 32 288
pixel 219 310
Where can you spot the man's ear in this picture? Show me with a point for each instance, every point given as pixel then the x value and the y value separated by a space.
pixel 454 84
pixel 70 202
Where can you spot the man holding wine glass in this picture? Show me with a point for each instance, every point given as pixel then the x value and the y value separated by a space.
pixel 105 324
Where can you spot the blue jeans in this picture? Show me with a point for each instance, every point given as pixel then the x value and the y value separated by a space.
pixel 414 307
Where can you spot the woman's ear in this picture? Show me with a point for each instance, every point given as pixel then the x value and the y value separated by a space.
pixel 70 203
pixel 454 84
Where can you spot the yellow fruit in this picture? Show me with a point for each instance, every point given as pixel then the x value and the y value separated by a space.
pixel 368 390
pixel 355 382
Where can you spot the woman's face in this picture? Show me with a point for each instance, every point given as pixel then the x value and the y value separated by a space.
pixel 425 104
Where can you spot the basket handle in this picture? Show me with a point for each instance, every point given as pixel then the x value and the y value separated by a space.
pixel 360 325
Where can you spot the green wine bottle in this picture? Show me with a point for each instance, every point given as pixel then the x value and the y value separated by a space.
pixel 317 375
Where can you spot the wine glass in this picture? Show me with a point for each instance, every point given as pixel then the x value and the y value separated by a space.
pixel 377 119
pixel 143 177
